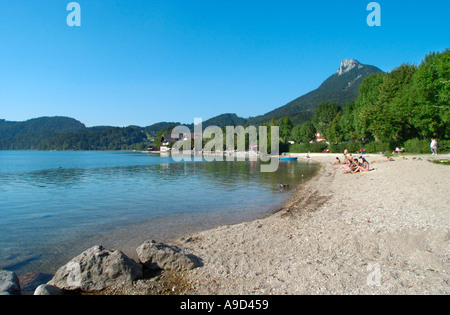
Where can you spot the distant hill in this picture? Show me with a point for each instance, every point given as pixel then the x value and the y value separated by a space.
pixel 42 125
pixel 64 133
pixel 221 120
pixel 155 128
pixel 30 134
pixel 225 120
pixel 340 88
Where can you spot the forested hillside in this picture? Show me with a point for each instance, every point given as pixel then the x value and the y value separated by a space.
pixel 405 107
pixel 340 88
pixel 358 107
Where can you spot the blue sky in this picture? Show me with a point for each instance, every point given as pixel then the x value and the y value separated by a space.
pixel 143 61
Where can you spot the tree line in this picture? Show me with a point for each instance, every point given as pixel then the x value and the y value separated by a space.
pixel 405 107
pixel 111 139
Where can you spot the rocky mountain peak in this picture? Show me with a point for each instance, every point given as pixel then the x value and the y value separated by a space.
pixel 347 65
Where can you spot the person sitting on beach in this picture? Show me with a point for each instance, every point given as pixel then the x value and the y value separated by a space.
pixel 364 166
pixel 348 167
pixel 345 166
pixel 354 167
pixel 338 161
pixel 390 159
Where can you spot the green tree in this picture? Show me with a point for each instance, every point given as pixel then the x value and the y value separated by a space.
pixel 368 95
pixel 387 114
pixel 304 132
pixel 285 128
pixel 432 86
pixel 334 131
pixel 324 115
pixel 348 123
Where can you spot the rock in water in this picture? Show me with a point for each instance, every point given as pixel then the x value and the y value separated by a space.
pixel 160 256
pixel 95 270
pixel 9 283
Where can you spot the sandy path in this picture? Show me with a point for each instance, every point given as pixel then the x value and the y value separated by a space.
pixel 385 232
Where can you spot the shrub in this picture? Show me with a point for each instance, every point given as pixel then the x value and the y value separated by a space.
pixel 317 147
pixel 444 146
pixel 422 146
pixel 338 148
pixel 352 147
pixel 417 146
pixel 377 147
pixel 442 162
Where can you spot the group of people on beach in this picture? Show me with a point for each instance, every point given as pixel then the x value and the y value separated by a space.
pixel 354 165
pixel 351 164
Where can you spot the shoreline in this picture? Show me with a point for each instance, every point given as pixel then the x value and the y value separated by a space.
pixel 328 240
pixel 127 238
pixel 174 233
pixel 382 232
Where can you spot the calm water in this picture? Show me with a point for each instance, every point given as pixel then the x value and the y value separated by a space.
pixel 54 205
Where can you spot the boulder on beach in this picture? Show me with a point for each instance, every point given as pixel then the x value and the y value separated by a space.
pixel 47 289
pixel 96 269
pixel 9 283
pixel 156 256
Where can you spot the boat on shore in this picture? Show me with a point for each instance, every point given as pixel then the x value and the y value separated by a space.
pixel 288 159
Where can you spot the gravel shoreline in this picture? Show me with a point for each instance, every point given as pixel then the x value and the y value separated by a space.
pixel 384 232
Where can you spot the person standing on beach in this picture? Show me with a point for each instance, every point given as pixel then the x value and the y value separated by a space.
pixel 434 146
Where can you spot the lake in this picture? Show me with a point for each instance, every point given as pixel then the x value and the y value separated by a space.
pixel 55 205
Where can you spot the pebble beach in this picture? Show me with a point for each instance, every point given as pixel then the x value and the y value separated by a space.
pixel 382 232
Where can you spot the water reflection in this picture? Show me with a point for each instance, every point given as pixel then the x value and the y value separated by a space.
pixel 42 210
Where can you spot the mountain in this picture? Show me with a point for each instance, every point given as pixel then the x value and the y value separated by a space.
pixel 340 88
pixel 62 133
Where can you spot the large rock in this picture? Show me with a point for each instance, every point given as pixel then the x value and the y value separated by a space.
pixel 160 256
pixel 95 270
pixel 9 283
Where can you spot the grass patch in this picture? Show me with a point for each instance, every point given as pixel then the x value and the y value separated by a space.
pixel 442 162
